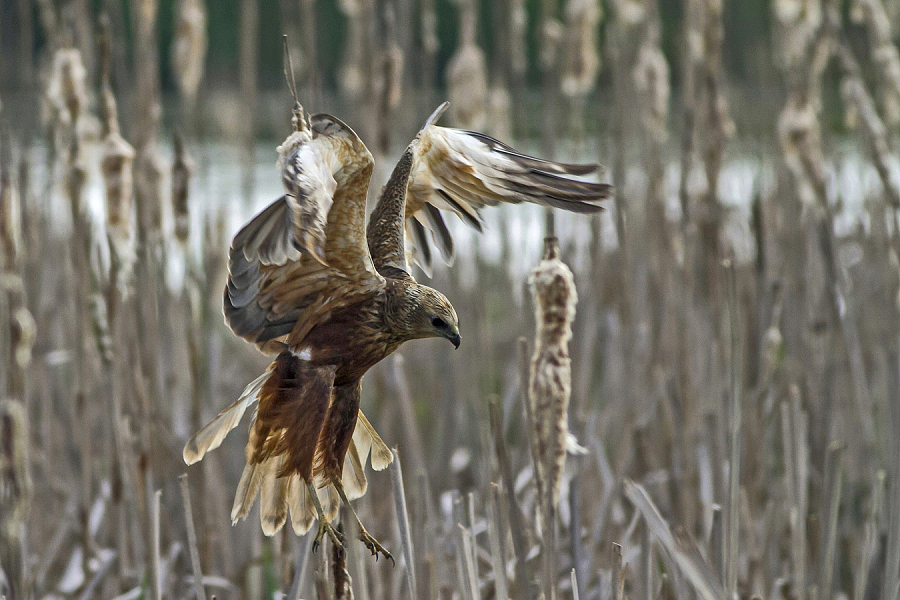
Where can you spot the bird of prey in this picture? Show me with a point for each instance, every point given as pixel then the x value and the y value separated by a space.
pixel 330 297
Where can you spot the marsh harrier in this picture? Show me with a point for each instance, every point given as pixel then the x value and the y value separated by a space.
pixel 309 282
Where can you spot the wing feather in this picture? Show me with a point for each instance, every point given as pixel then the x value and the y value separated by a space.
pixel 307 247
pixel 464 171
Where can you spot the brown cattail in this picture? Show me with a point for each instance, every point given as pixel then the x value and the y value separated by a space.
pixel 66 90
pixel 10 215
pixel 189 47
pixel 181 179
pixel 553 288
pixel 467 75
pixel 581 61
pixel 23 329
pixel 651 78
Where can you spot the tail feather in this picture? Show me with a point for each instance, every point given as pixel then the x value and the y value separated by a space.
pixel 273 499
pixel 247 489
pixel 283 490
pixel 354 476
pixel 303 513
pixel 367 439
pixel 214 432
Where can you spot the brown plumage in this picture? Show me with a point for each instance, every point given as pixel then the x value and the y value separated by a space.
pixel 308 282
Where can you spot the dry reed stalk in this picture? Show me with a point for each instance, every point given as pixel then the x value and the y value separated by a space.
pixel 248 53
pixel 855 95
pixel 467 74
pixel 351 79
pixel 343 583
pixel 189 44
pixel 156 582
pixel 716 127
pixel 496 541
pixel 834 461
pixel 192 538
pixel 311 77
pixel 580 60
pixel 15 497
pixel 891 581
pixel 403 523
pixel 617 574
pixel 884 54
pixel 182 169
pixel 388 75
pixel 735 397
pixel 869 550
pixel 429 43
pixel 679 548
pixel 510 513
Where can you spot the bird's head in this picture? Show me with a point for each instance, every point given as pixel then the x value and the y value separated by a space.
pixel 431 315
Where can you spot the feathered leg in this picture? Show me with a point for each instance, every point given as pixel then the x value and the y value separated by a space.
pixel 334 441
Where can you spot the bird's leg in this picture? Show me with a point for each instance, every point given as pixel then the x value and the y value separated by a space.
pixel 324 525
pixel 364 536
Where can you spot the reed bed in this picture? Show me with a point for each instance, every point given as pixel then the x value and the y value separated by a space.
pixel 725 423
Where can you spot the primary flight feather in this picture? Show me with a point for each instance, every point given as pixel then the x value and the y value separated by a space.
pixel 309 282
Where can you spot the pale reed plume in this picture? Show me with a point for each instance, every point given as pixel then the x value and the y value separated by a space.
pixel 553 289
pixel 581 60
pixel 467 75
pixel 189 47
pixel 651 78
pixel 66 92
pixel 118 158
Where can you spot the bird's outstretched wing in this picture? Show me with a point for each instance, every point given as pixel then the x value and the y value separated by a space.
pixel 464 171
pixel 306 252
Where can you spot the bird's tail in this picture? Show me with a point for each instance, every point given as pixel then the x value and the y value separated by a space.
pixel 288 492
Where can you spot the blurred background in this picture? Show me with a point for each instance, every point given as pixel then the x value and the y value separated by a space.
pixel 735 382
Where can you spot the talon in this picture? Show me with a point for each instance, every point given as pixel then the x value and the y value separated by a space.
pixel 374 547
pixel 337 538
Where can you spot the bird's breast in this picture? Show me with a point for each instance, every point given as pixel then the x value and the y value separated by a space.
pixel 353 340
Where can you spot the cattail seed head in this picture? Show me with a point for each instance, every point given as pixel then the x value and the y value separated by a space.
pixel 66 90
pixel 467 75
pixel 118 178
pixel 553 289
pixel 10 215
pixel 189 47
pixel 581 60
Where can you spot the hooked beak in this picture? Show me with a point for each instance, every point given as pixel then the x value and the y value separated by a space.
pixel 454 338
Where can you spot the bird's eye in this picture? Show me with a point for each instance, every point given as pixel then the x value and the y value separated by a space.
pixel 438 322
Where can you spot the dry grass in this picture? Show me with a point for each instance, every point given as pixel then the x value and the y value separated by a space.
pixel 739 407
